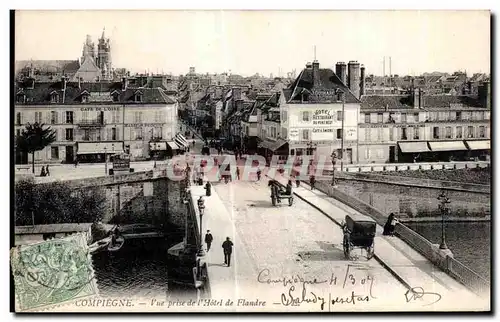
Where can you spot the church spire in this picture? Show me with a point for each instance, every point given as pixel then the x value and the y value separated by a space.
pixel 103 30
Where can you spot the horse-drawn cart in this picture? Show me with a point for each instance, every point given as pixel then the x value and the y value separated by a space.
pixel 277 193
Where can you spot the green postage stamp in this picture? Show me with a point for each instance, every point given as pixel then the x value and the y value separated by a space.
pixel 52 273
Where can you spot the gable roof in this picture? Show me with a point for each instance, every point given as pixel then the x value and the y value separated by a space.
pixel 327 81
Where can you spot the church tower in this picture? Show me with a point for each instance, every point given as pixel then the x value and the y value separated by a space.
pixel 104 56
pixel 88 50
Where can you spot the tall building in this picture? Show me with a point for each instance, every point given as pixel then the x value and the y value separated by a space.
pixel 95 65
pixel 103 58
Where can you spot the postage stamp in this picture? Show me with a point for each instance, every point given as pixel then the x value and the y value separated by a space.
pixel 52 273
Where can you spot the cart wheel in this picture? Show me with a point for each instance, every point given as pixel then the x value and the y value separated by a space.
pixel 347 251
pixel 290 201
pixel 273 199
pixel 370 251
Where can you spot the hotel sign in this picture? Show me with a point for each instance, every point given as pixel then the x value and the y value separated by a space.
pixel 322 117
pixel 324 94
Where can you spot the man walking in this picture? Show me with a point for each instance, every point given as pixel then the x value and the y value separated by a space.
pixel 208 239
pixel 227 246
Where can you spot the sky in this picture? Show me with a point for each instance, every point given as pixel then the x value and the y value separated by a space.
pixel 264 42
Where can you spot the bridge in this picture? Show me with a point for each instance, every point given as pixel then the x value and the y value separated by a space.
pixel 290 259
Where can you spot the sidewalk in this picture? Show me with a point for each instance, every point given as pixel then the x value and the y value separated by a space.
pixel 405 262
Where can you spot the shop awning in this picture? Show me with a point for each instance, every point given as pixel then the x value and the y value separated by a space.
pixel 447 146
pixel 181 141
pixel 155 146
pixel 479 145
pixel 272 145
pixel 173 145
pixel 413 147
pixel 99 147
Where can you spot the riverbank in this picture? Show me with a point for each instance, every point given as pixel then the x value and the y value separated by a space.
pixel 480 176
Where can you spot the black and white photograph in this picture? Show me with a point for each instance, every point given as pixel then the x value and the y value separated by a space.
pixel 251 161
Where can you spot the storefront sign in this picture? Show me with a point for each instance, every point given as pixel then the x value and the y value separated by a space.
pixel 100 109
pixel 324 94
pixel 144 124
pixel 322 117
pixel 121 164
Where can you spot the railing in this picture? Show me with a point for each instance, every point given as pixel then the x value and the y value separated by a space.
pixel 91 123
pixel 448 264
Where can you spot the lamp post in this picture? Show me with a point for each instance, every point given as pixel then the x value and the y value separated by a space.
pixel 334 160
pixel 105 160
pixel 201 208
pixel 444 201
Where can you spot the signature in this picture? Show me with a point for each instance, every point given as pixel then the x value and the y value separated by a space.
pixel 263 277
pixel 292 300
pixel 418 293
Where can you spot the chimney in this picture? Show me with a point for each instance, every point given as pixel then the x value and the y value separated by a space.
pixel 341 71
pixel 308 65
pixel 417 98
pixel 63 80
pixel 484 94
pixel 315 73
pixel 236 93
pixel 362 82
pixel 353 77
pixel 124 83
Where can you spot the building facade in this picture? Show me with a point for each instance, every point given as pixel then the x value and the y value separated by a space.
pixel 91 120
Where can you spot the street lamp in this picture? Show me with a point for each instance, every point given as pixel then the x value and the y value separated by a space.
pixel 201 208
pixel 334 160
pixel 444 200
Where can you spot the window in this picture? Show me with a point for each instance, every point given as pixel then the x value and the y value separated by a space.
pixel 435 132
pixel 470 132
pixel 367 134
pixel 416 133
pixel 115 96
pixel 85 98
pixel 86 135
pixel 404 133
pixel 53 117
pixel 138 97
pixel 138 117
pixel 305 134
pixel 54 152
pixel 38 117
pixel 415 116
pixel 380 118
pixel 18 118
pixel 339 133
pixel 54 98
pixel 367 117
pixel 21 98
pixel 458 132
pixel 481 132
pixel 448 132
pixel 285 116
pixel 480 116
pixel 18 132
pixel 305 116
pixel 339 116
pixel 69 117
pixel 433 116
pixel 391 134
pixel 403 117
pixel 113 134
pixel 69 134
pixel 458 116
pixel 379 134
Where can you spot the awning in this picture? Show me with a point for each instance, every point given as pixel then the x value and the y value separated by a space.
pixel 99 147
pixel 272 145
pixel 181 141
pixel 155 146
pixel 173 145
pixel 413 147
pixel 479 145
pixel 447 146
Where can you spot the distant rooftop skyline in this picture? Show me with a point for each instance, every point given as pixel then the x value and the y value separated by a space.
pixel 264 42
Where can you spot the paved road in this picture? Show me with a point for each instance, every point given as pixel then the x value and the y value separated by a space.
pixel 294 243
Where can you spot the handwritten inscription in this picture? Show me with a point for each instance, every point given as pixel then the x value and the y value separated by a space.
pixel 418 293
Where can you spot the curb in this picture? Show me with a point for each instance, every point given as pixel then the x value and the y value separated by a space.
pixel 377 258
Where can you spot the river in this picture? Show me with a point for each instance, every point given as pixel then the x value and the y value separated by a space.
pixel 469 241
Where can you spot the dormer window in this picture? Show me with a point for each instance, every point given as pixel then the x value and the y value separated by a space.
pixel 138 96
pixel 54 97
pixel 85 96
pixel 21 98
pixel 115 96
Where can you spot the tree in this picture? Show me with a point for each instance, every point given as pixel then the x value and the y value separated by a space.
pixel 35 138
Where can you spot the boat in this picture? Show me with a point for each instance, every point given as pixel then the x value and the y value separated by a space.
pixel 117 245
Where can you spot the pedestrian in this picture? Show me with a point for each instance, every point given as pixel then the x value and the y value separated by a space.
pixel 47 170
pixel 193 142
pixel 312 181
pixel 258 174
pixel 227 246
pixel 42 173
pixel 208 239
pixel 238 173
pixel 390 225
pixel 154 165
pixel 289 188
